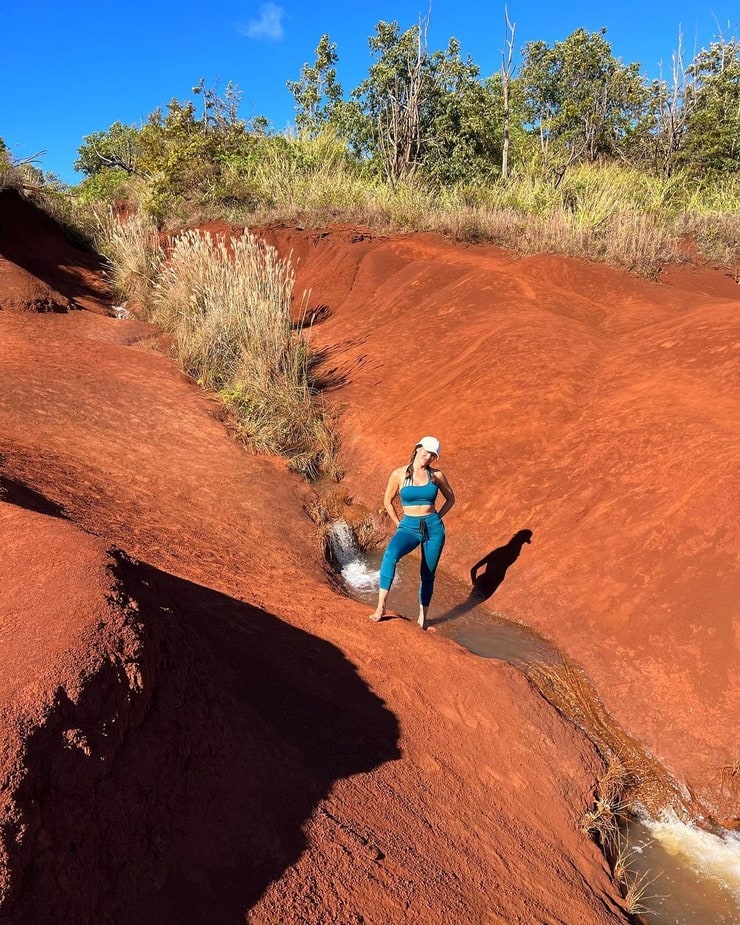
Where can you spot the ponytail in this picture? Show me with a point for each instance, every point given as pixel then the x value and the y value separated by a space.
pixel 410 467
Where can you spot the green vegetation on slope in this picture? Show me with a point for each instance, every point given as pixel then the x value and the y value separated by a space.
pixel 600 162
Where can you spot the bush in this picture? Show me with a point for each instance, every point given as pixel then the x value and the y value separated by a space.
pixel 107 186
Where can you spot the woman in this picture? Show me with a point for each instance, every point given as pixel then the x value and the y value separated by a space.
pixel 417 485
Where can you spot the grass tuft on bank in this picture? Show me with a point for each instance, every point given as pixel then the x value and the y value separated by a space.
pixel 227 304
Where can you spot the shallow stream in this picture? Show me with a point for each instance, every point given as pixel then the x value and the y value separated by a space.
pixel 688 875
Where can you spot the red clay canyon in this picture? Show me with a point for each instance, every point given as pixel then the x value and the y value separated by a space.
pixel 197 726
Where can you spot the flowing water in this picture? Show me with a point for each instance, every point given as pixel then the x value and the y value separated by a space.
pixel 690 876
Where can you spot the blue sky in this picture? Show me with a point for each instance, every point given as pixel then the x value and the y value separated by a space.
pixel 72 67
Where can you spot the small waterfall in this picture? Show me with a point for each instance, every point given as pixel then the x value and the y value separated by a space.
pixel 351 562
pixel 120 312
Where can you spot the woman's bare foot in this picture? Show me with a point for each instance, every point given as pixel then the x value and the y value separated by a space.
pixel 422 621
pixel 377 615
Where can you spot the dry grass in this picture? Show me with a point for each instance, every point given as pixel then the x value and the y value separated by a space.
pixel 133 252
pixel 602 821
pixel 10 176
pixel 728 777
pixel 608 213
pixel 633 886
pixel 717 237
pixel 605 821
pixel 228 305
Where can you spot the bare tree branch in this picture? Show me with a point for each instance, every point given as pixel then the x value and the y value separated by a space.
pixel 506 71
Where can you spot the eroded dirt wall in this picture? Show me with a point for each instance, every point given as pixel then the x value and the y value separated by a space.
pixel 595 409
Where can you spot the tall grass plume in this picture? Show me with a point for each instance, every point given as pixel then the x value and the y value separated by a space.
pixel 133 252
pixel 228 305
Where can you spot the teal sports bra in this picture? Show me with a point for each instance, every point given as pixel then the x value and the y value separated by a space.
pixel 412 495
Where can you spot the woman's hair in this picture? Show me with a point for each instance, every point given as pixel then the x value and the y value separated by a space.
pixel 410 467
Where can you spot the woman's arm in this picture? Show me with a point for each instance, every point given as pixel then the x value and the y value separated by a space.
pixel 391 490
pixel 444 486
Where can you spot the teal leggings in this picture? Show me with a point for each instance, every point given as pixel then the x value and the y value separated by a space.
pixel 427 531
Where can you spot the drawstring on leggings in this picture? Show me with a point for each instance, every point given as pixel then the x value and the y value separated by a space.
pixel 423 530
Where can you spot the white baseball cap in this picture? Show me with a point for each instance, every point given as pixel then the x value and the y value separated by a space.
pixel 431 445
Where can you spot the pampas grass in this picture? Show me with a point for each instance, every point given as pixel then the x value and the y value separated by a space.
pixel 132 249
pixel 228 305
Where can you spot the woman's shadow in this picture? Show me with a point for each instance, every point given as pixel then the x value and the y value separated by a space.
pixel 487 575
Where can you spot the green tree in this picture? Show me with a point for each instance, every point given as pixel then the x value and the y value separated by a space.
pixel 118 147
pixel 389 118
pixel 580 101
pixel 423 113
pixel 318 94
pixel 184 153
pixel 201 155
pixel 712 138
pixel 464 138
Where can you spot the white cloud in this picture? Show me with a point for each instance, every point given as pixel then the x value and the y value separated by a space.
pixel 269 25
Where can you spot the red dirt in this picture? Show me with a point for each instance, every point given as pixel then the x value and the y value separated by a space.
pixel 596 409
pixel 194 726
pixel 564 394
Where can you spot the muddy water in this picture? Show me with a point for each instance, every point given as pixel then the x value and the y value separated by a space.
pixel 690 876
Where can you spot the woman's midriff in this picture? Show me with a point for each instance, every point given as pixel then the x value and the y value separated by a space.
pixel 419 510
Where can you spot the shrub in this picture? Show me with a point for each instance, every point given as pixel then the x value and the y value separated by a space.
pixel 106 186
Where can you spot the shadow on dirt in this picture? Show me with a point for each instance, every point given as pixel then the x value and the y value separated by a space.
pixel 36 242
pixel 487 575
pixel 12 492
pixel 194 799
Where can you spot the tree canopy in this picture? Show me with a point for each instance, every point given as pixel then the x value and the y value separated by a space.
pixel 430 115
pixel 712 140
pixel 578 99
